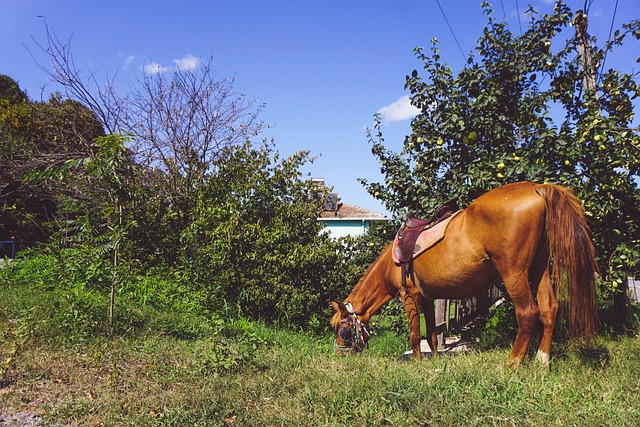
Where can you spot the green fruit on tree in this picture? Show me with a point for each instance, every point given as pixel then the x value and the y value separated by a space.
pixel 597 138
pixel 472 135
pixel 500 165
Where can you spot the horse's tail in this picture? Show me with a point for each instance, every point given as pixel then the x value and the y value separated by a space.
pixel 573 256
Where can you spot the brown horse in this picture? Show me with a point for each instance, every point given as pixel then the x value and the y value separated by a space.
pixel 510 234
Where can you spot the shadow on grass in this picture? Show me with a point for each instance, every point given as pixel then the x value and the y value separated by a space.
pixel 497 330
pixel 594 355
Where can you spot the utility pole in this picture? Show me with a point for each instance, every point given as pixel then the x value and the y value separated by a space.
pixel 584 50
pixel 621 300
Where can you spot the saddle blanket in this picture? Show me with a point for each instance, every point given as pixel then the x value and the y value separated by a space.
pixel 427 239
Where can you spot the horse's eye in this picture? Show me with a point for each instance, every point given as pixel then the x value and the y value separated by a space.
pixel 345 334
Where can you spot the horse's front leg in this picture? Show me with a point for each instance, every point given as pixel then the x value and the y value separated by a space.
pixel 411 300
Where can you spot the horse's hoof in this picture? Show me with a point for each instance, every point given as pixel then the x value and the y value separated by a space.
pixel 514 363
pixel 542 357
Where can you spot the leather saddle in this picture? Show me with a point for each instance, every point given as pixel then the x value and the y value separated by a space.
pixel 408 233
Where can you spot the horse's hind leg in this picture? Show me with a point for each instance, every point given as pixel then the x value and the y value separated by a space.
pixel 548 305
pixel 527 312
pixel 428 308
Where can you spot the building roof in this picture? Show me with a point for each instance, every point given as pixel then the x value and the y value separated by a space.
pixel 350 212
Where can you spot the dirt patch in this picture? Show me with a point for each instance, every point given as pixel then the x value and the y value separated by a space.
pixel 19 419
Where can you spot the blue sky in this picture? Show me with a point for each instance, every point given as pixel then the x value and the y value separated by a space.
pixel 321 68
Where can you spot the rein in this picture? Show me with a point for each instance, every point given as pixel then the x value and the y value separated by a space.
pixel 359 333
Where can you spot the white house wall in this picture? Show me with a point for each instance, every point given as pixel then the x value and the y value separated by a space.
pixel 344 228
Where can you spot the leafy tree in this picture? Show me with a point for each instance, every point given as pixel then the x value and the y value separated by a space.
pixel 35 136
pixel 535 107
pixel 100 217
pixel 10 92
pixel 255 241
pixel 180 119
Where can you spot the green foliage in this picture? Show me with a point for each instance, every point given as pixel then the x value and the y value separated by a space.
pixel 251 241
pixel 522 110
pixel 35 136
pixel 501 327
pixel 227 219
pixel 58 296
pixel 254 241
pixel 10 92
pixel 63 296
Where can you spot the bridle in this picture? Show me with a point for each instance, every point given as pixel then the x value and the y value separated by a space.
pixel 352 332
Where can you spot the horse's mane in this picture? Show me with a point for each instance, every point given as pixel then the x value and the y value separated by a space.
pixel 335 319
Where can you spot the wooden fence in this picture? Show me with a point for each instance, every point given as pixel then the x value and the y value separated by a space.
pixel 634 289
pixel 453 315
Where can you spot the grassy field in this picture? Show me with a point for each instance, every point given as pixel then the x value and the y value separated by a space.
pixel 170 361
pixel 278 377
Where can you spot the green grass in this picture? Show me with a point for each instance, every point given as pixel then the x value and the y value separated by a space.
pixel 292 379
pixel 172 364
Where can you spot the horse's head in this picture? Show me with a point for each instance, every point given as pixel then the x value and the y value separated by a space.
pixel 351 334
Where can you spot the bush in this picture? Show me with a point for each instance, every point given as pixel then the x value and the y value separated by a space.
pixel 501 326
pixel 40 292
pixel 51 299
pixel 254 241
pixel 65 297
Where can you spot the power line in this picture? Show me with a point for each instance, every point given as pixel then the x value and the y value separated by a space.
pixel 519 22
pixel 615 10
pixel 587 7
pixel 504 14
pixel 451 29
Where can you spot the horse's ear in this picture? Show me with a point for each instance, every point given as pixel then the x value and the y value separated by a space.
pixel 339 306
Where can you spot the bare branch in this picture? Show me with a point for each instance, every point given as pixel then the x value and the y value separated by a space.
pixel 181 119
pixel 78 83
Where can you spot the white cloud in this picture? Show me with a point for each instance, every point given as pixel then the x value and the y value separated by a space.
pixel 154 68
pixel 129 60
pixel 399 110
pixel 188 62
